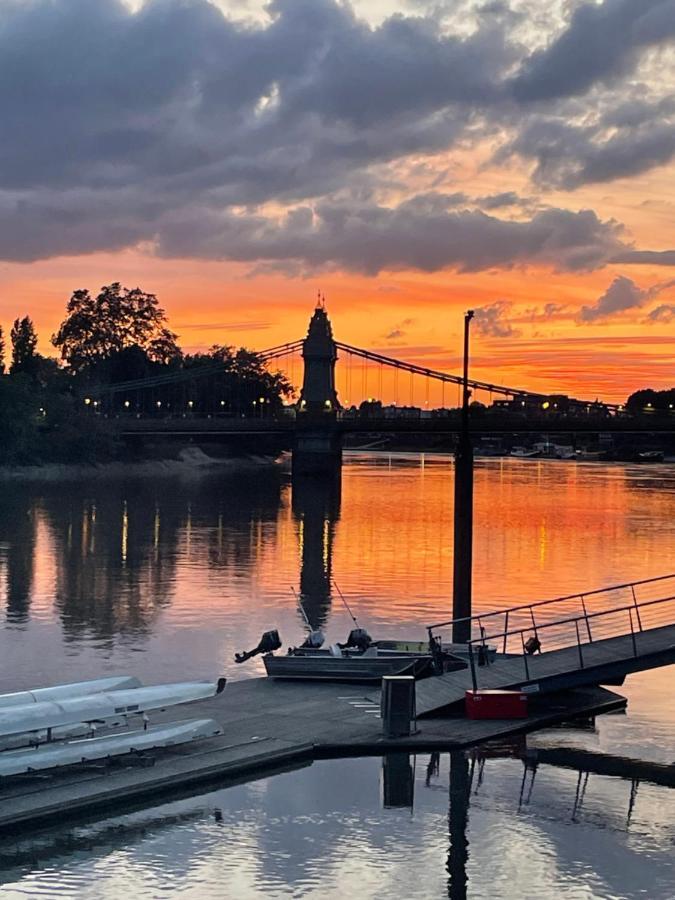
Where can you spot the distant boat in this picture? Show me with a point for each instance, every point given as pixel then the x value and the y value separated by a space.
pixel 51 756
pixel 524 453
pixel 650 456
pixel 589 455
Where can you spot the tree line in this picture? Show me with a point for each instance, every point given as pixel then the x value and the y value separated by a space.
pixel 57 410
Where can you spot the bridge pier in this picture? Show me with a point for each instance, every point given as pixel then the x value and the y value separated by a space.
pixel 317 450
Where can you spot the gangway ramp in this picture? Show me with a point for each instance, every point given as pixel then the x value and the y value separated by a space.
pixel 597 637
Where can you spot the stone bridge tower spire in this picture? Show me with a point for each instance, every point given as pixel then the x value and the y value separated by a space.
pixel 318 398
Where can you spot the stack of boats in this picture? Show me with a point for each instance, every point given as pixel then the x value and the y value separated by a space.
pixel 50 727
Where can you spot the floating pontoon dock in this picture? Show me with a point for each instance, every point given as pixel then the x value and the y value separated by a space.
pixel 270 724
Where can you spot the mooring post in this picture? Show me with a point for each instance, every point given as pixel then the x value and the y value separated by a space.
pixel 463 538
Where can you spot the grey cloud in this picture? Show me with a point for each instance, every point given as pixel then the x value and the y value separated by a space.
pixel 180 128
pixel 416 234
pixel 646 257
pixel 492 320
pixel 621 295
pixel 568 156
pixel 664 314
pixel 602 41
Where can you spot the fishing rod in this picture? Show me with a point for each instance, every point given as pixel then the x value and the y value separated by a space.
pixel 342 597
pixel 315 638
pixel 302 608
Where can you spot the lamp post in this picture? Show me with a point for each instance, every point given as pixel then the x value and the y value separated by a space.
pixel 463 538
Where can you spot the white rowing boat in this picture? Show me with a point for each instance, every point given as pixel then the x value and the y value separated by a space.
pixel 102 706
pixel 66 691
pixel 51 756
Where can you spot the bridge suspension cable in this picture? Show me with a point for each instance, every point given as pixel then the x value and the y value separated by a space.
pixel 445 377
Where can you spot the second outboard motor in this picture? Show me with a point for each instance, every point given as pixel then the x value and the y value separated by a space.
pixel 269 642
pixel 358 638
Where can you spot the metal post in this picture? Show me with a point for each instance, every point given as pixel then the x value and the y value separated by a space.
pixel 581 655
pixel 637 608
pixel 463 531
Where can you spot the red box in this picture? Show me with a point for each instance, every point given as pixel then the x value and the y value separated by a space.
pixel 496 704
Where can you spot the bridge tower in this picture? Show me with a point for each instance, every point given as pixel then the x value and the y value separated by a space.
pixel 318 443
pixel 318 399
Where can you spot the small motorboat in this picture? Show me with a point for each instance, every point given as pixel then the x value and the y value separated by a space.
pixel 363 668
pixel 359 659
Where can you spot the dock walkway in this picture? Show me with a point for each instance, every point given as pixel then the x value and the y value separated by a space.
pixel 267 726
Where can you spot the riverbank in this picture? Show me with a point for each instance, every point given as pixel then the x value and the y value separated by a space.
pixel 190 462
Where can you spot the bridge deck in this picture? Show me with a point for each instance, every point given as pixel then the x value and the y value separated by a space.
pixel 606 659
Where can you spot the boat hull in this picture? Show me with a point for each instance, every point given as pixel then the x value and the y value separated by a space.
pixel 55 756
pixel 356 669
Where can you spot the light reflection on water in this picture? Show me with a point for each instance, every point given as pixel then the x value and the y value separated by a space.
pixel 166 579
pixel 325 831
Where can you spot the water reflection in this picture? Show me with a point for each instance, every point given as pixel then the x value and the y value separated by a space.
pixel 457 824
pixel 17 552
pixel 316 508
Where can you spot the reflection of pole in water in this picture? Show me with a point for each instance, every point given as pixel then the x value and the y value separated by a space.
pixel 316 507
pixel 398 781
pixel 458 818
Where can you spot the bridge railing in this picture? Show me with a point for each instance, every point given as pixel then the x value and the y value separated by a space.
pixel 574 620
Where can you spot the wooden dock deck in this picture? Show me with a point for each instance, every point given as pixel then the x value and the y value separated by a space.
pixel 267 726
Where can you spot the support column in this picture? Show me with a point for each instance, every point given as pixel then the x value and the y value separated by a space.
pixel 463 539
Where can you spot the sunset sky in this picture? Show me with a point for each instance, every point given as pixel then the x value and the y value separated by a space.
pixel 408 159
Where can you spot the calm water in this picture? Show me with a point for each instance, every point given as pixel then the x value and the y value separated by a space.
pixel 166 578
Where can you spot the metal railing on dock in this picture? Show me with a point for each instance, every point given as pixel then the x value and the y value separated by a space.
pixel 570 621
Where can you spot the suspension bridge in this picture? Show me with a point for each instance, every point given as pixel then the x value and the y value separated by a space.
pixel 199 401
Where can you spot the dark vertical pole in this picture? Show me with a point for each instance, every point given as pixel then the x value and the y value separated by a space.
pixel 458 819
pixel 463 542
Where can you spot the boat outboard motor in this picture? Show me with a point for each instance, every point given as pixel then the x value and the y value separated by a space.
pixel 269 642
pixel 358 638
pixel 313 641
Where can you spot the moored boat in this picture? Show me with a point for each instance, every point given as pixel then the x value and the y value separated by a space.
pixel 322 665
pixel 68 691
pixel 53 756
pixel 52 714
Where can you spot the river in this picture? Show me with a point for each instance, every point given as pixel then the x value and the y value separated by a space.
pixel 166 578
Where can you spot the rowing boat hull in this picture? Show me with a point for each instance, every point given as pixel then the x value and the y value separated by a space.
pixel 68 691
pixel 103 706
pixel 55 756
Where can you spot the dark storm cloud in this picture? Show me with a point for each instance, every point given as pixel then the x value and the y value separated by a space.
pixel 602 40
pixel 419 233
pixel 177 127
pixel 568 156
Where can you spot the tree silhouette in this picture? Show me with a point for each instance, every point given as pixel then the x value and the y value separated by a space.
pixel 2 352
pixel 24 342
pixel 97 329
